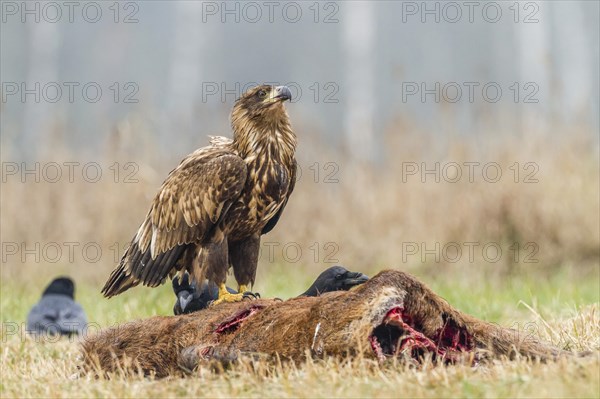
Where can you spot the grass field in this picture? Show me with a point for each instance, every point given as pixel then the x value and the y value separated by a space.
pixel 562 311
pixel 365 217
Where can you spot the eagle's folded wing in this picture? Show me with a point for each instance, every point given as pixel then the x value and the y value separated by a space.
pixel 190 202
pixel 271 223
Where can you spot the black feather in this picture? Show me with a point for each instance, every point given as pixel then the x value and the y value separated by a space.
pixel 190 299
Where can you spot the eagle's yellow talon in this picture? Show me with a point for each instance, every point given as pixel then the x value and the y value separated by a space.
pixel 227 297
pixel 243 289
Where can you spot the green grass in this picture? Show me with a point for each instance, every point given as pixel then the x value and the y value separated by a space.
pixel 569 305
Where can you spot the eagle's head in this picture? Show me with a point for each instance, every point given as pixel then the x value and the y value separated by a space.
pixel 262 101
pixel 261 109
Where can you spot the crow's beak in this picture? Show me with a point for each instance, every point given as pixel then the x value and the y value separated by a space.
pixel 355 279
pixel 282 93
pixel 184 299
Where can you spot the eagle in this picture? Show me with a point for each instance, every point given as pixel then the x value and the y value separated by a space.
pixel 212 209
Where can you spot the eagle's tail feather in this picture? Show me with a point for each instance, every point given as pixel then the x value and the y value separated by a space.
pixel 162 265
pixel 139 267
pixel 119 281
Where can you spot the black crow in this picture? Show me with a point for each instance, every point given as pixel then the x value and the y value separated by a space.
pixel 190 299
pixel 57 312
pixel 336 278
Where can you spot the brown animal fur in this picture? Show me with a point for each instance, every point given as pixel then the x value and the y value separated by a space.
pixel 335 324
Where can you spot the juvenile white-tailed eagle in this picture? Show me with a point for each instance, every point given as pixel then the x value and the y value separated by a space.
pixel 212 209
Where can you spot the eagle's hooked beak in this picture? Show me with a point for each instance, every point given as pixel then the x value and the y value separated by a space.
pixel 280 93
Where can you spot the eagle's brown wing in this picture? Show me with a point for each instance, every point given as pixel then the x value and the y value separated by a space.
pixel 190 202
pixel 273 221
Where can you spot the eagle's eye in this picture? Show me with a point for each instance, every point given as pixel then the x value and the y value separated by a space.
pixel 338 276
pixel 262 93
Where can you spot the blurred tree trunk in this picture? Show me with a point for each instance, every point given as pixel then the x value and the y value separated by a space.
pixel 358 34
pixel 534 63
pixel 185 73
pixel 573 63
pixel 38 116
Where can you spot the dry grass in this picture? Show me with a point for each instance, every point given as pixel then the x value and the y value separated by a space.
pixel 37 369
pixel 364 216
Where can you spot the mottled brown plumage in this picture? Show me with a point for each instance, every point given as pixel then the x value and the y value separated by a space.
pixel 212 209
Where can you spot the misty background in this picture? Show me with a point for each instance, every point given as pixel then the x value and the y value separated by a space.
pixel 356 69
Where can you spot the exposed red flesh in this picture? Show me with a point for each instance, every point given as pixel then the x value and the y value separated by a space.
pixel 376 348
pixel 447 344
pixel 234 322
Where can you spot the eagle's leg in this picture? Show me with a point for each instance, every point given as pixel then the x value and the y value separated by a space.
pixel 215 257
pixel 243 256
